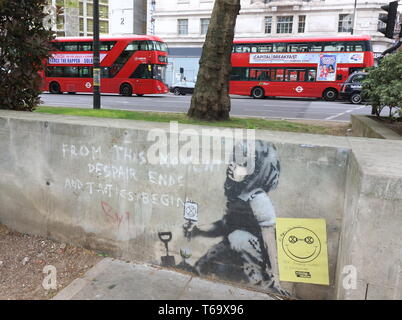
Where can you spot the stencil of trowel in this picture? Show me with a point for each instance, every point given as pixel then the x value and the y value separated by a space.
pixel 167 261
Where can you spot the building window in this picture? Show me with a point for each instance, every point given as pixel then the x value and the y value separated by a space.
pixel 268 24
pixel 182 26
pixel 81 25
pixel 103 12
pixel 284 24
pixel 90 25
pixel 84 18
pixel 60 22
pixel 81 9
pixel 345 23
pixel 302 24
pixel 90 9
pixel 204 26
pixel 104 27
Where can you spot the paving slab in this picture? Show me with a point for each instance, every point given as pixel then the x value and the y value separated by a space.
pixel 201 289
pixel 113 279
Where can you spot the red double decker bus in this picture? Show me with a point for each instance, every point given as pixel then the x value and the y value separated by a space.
pixel 129 65
pixel 297 67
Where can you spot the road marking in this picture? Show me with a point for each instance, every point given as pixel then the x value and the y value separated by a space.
pixel 324 112
pixel 284 118
pixel 343 113
pixel 309 106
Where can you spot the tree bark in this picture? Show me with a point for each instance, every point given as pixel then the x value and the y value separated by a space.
pixel 211 101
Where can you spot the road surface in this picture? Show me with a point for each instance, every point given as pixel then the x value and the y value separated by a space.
pixel 282 108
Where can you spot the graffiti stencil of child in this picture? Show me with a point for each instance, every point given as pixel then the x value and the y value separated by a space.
pixel 242 254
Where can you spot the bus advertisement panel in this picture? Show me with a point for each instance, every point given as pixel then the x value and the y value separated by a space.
pixel 327 67
pixel 73 58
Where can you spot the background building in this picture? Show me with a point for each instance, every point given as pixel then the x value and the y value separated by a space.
pixel 128 17
pixel 116 17
pixel 184 23
pixel 75 17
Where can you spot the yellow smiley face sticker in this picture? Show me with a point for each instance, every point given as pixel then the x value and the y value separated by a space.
pixel 301 244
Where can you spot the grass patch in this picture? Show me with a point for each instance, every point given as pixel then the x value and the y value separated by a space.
pixel 246 123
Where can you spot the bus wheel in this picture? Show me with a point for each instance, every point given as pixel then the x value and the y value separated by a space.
pixel 54 87
pixel 177 91
pixel 126 90
pixel 139 95
pixel 356 98
pixel 258 93
pixel 330 94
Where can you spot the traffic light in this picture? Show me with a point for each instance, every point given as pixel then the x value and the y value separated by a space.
pixel 389 19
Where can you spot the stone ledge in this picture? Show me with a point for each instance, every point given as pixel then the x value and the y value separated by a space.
pixel 366 127
pixel 384 162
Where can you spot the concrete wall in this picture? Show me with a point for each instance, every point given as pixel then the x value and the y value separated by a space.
pixel 363 126
pixel 90 182
pixel 371 237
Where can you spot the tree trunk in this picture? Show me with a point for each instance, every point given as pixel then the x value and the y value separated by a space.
pixel 211 101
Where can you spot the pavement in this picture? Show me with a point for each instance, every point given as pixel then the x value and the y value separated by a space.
pixel 112 279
